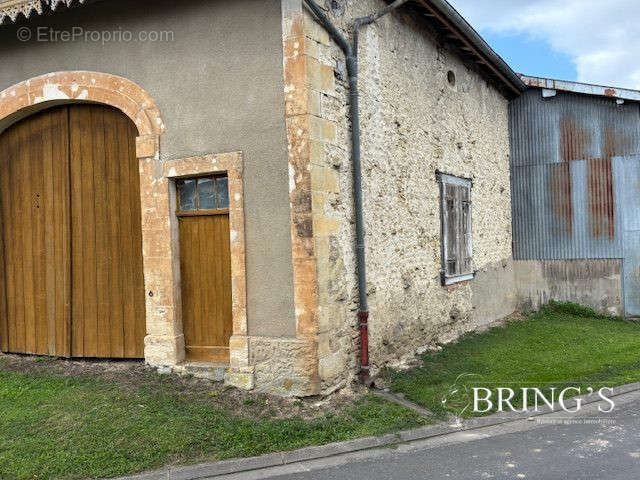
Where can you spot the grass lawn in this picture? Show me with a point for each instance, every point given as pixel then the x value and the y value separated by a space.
pixel 66 420
pixel 562 345
pixel 57 424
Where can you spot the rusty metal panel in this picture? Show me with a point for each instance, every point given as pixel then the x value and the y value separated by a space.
pixel 565 182
pixel 566 211
pixel 570 127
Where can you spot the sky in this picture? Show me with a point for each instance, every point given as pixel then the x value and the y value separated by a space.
pixel 591 41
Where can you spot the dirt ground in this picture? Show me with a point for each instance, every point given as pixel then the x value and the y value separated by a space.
pixel 135 374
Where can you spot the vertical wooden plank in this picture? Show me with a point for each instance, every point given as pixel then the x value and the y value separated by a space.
pixel 207 324
pixel 213 299
pixel 198 281
pixel 26 179
pixel 186 249
pixel 47 245
pixel 140 325
pixel 102 211
pixel 61 170
pixel 89 297
pixel 227 313
pixel 37 140
pixel 467 230
pixel 128 294
pixel 23 218
pixel 112 165
pixel 48 208
pixel 11 195
pixel 460 229
pixel 4 262
pixel 77 245
pixel 451 225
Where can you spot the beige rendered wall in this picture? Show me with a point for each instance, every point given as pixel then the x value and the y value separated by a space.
pixel 219 87
pixel 413 124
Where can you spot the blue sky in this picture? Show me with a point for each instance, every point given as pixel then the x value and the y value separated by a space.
pixel 588 41
pixel 532 56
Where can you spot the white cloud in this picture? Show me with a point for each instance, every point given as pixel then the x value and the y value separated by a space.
pixel 602 37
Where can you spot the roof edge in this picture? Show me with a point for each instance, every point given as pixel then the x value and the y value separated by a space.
pixel 474 42
pixel 583 88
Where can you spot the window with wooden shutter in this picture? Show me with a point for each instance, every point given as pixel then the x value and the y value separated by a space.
pixel 455 214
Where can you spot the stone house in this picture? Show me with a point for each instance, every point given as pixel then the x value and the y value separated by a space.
pixel 176 184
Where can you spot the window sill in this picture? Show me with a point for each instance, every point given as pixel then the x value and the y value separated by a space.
pixel 446 281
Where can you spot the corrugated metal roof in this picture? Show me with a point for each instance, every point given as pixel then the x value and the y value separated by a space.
pixel 12 9
pixel 583 88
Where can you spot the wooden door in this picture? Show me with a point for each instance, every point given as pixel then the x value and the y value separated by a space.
pixel 205 266
pixel 34 199
pixel 71 235
pixel 108 309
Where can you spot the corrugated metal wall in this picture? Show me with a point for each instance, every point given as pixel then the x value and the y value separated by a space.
pixel 629 186
pixel 566 204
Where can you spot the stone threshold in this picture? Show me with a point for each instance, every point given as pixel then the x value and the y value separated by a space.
pixel 208 371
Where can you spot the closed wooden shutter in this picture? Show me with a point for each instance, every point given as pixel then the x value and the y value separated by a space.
pixel 457 250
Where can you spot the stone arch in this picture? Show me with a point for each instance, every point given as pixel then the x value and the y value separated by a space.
pixel 30 96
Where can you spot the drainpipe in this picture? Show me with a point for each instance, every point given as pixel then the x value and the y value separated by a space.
pixel 350 50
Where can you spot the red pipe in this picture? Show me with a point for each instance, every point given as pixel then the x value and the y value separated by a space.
pixel 363 319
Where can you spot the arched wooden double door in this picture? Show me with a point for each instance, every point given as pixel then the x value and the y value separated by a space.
pixel 71 249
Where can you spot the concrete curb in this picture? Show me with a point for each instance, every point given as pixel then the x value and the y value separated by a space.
pixel 226 467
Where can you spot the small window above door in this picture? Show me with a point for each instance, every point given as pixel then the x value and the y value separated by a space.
pixel 208 194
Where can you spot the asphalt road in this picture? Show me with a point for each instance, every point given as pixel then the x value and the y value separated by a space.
pixel 566 447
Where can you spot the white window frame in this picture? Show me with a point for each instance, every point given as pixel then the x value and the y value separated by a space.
pixel 445 179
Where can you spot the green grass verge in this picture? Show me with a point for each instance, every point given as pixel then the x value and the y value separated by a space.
pixel 52 426
pixel 563 345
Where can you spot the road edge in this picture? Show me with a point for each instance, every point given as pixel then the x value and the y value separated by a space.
pixel 226 467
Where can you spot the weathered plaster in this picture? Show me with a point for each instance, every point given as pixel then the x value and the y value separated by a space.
pixel 596 283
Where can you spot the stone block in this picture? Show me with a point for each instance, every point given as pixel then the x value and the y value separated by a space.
pixel 326 227
pixel 244 380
